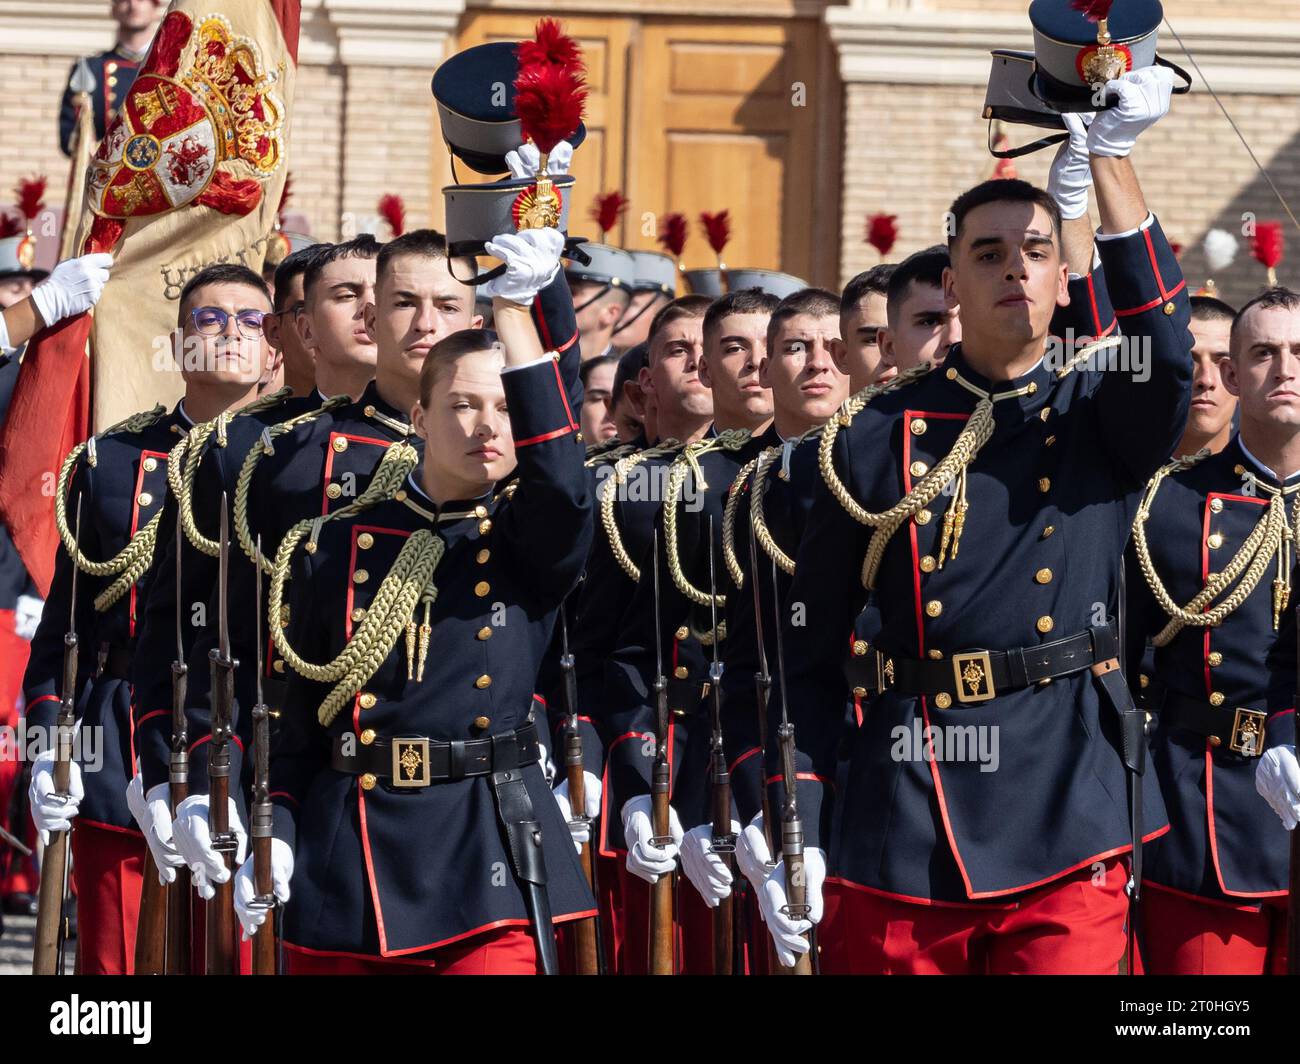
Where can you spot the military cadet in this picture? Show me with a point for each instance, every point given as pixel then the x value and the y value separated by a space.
pixel 920 325
pixel 733 340
pixel 113 71
pixel 338 285
pixel 1213 414
pixel 1215 887
pixel 118 481
pixel 602 290
pixel 863 314
pixel 392 786
pixel 597 418
pixel 298 361
pixel 970 859
pixel 654 283
pixel 627 404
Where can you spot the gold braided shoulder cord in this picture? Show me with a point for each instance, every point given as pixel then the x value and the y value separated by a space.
pixel 761 533
pixel 729 558
pixel 613 482
pixel 689 461
pixel 408 583
pixel 133 560
pixel 607 452
pixel 1271 537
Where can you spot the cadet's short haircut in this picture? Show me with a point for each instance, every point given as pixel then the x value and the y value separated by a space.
pixel 921 267
pixel 291 266
pixel 449 350
pixel 681 307
pixel 1002 190
pixel 1269 299
pixel 1207 308
pixel 423 243
pixel 743 301
pixel 816 302
pixel 588 367
pixel 364 246
pixel 221 273
pixel 630 365
pixel 874 280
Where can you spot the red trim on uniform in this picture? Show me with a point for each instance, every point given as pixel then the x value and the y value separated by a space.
pixel 744 757
pixel 1155 265
pixel 1127 847
pixel 42 698
pixel 564 395
pixel 1114 324
pixel 1092 300
pixel 329 461
pixel 539 698
pixel 780 777
pixel 1219 902
pixel 857 709
pixel 1214 838
pixel 910 900
pixel 150 716
pixel 133 832
pixel 207 738
pixel 285 794
pixel 1153 304
pixel 546 435
pixel 1279 713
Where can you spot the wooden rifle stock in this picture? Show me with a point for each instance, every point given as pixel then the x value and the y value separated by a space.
pixel 587 952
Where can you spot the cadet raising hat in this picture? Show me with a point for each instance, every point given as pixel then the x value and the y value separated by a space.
pixel 475 94
pixel 654 272
pixel 770 281
pixel 1075 52
pixel 477 213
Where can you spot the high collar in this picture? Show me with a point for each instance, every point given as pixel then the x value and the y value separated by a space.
pixel 1034 386
pixel 180 417
pixel 1237 446
pixel 417 499
pixel 374 408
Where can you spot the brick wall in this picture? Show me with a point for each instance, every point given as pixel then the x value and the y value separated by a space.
pixel 30 92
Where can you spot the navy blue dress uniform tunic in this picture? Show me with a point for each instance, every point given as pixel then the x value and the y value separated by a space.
pixel 1051 497
pixel 386 871
pixel 119 495
pixel 1225 843
pixel 114 72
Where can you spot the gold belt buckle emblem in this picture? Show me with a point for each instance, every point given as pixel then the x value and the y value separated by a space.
pixel 411 763
pixel 1248 732
pixel 973 676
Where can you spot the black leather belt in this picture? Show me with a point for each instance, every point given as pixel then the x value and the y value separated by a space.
pixel 865 669
pixel 115 660
pixel 418 762
pixel 976 676
pixel 685 696
pixel 1240 729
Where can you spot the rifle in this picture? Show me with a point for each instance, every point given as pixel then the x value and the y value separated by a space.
pixel 180 899
pixel 589 952
pixel 796 907
pixel 265 953
pixel 762 694
pixel 51 918
pixel 661 893
pixel 15 842
pixel 221 911
pixel 724 841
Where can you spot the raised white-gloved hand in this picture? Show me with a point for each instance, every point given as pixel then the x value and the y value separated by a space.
pixel 153 815
pixel 1071 175
pixel 252 913
pixel 27 616
pixel 644 859
pixel 703 867
pixel 194 841
pixel 524 159
pixel 1277 778
pixel 51 811
pixel 532 260
pixel 1143 100
pixel 72 287
pixel 580 830
pixel 753 857
pixel 788 933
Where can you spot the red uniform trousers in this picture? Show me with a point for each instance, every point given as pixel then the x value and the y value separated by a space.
pixel 199 939
pixel 504 951
pixel 18 874
pixel 1072 925
pixel 694 938
pixel 106 869
pixel 1183 935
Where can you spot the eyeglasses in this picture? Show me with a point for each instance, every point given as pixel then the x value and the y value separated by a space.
pixel 212 321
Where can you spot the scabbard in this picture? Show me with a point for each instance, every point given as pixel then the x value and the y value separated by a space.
pixel 524 844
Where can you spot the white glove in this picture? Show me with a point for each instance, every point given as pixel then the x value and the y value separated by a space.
pixel 787 933
pixel 524 159
pixel 532 260
pixel 252 913
pixel 752 854
pixel 704 868
pixel 1277 778
pixel 27 616
pixel 194 841
pixel 1143 100
pixel 1071 175
pixel 51 811
pixel 644 859
pixel 153 815
pixel 74 286
pixel 591 792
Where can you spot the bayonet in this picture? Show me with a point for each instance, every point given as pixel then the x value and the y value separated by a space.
pixel 724 840
pixel 265 954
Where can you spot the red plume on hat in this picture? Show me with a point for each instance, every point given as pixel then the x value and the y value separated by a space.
pixel 1093 10
pixel 30 196
pixel 10 226
pixel 393 211
pixel 1268 247
pixel 717 229
pixel 607 209
pixel 882 231
pixel 672 234
pixel 550 88
pixel 550 46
